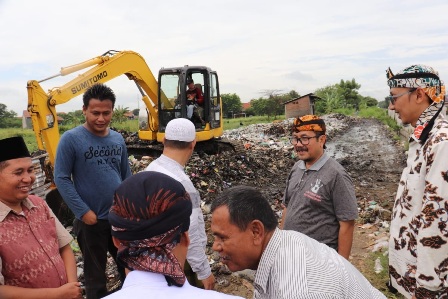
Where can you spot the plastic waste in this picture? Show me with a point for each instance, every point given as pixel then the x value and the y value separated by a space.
pixel 378 266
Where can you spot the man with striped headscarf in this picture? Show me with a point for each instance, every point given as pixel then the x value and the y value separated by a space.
pixel 418 247
pixel 150 217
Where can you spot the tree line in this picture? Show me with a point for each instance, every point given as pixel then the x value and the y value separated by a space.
pixel 9 119
pixel 342 95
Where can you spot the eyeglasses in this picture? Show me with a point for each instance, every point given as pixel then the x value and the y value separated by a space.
pixel 305 140
pixel 393 99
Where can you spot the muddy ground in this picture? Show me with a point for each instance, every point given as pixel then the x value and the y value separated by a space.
pixel 263 158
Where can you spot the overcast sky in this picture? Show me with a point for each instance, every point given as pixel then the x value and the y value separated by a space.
pixel 254 45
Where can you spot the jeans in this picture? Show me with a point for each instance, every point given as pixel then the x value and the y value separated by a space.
pixel 94 242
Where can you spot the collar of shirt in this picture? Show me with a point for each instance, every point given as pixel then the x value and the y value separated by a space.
pixel 266 261
pixel 135 278
pixel 317 165
pixel 4 209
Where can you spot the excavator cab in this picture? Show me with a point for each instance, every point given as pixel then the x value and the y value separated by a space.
pixel 204 113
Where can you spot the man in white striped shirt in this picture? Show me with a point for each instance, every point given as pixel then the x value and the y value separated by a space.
pixel 289 264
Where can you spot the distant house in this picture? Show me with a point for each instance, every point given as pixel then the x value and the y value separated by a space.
pixel 245 106
pixel 26 120
pixel 27 123
pixel 300 106
pixel 129 115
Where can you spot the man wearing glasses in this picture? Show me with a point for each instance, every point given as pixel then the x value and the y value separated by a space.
pixel 418 246
pixel 319 199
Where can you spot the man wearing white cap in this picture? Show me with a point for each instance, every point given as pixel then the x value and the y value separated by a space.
pixel 36 260
pixel 179 143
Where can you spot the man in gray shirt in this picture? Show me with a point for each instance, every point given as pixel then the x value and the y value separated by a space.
pixel 179 143
pixel 319 199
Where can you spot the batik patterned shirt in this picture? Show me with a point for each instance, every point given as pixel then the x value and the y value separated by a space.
pixel 418 249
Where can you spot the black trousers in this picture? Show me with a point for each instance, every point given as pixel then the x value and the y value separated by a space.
pixel 95 241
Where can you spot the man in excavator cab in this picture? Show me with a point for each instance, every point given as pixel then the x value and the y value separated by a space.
pixel 195 102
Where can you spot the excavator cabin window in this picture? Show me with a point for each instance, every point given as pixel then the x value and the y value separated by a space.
pixel 183 97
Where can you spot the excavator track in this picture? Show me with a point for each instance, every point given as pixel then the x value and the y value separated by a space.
pixel 210 147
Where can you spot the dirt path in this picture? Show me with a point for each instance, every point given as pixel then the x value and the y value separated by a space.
pixel 374 161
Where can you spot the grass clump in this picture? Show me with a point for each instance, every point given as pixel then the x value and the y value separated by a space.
pixel 378 280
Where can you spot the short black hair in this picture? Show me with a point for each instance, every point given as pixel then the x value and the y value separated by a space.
pixel 246 204
pixel 3 165
pixel 100 92
pixel 177 144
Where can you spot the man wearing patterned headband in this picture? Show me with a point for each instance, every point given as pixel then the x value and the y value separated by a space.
pixel 36 260
pixel 319 200
pixel 150 217
pixel 418 246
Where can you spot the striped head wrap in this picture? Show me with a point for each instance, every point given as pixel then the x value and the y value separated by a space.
pixel 149 213
pixel 426 78
pixel 421 76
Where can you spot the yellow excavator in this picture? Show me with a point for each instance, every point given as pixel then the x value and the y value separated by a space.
pixel 164 98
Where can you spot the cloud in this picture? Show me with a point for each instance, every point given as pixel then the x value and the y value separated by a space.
pixel 253 45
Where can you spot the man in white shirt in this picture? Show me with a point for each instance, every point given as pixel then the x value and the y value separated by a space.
pixel 179 143
pixel 289 264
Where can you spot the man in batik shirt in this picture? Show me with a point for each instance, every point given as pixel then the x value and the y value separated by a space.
pixel 418 247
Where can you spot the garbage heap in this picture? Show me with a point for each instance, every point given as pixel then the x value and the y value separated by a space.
pixel 262 158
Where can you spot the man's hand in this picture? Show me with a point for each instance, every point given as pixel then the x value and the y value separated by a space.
pixel 209 282
pixel 89 218
pixel 71 290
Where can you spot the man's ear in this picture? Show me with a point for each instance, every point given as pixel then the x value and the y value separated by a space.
pixel 422 96
pixel 257 230
pixel 323 138
pixel 116 242
pixel 185 239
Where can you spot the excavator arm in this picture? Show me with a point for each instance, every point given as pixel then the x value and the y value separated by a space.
pixel 42 105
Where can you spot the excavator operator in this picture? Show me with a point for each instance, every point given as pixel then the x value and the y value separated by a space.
pixel 195 101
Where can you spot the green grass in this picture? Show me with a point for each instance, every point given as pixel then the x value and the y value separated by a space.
pixel 234 123
pixel 27 134
pixel 378 280
pixel 380 114
pixel 30 139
